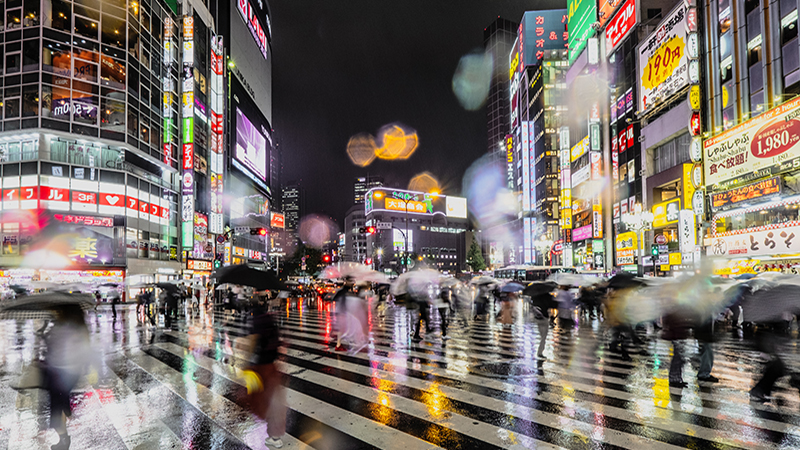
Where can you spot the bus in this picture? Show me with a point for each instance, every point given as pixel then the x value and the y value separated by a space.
pixel 530 273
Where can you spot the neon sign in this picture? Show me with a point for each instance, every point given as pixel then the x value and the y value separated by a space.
pixel 85 220
pixel 249 15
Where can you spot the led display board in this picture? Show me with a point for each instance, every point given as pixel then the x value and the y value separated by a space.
pixel 580 17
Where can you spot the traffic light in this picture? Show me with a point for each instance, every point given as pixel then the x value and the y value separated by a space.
pixel 258 231
pixel 217 264
pixel 654 250
pixel 326 258
pixel 368 261
pixel 367 230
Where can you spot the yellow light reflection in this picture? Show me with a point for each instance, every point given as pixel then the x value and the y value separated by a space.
pixel 424 182
pixel 361 149
pixel 661 392
pixel 435 400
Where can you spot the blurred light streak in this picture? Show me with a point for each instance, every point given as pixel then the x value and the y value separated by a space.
pixel 472 80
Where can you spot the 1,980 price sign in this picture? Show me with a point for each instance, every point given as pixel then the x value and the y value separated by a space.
pixel 764 145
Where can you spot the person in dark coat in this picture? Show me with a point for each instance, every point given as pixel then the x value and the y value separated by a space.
pixel 170 307
pixel 704 333
pixel 68 355
pixel 269 403
pixel 677 325
pixel 768 341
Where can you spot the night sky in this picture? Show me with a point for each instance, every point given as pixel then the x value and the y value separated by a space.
pixel 350 66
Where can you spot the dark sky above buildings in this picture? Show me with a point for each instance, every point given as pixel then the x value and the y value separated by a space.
pixel 350 66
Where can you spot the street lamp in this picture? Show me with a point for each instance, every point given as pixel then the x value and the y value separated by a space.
pixel 639 221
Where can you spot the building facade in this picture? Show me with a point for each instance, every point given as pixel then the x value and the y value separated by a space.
pixel 498 40
pixel 355 242
pixel 415 227
pixel 294 207
pixel 117 132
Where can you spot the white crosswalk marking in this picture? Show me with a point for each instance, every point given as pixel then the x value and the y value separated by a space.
pixel 162 384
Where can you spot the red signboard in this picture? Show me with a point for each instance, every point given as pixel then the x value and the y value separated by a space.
pixel 52 194
pixel 29 193
pixel 188 156
pixel 620 25
pixel 196 264
pixel 84 197
pixel 112 199
pixel 277 220
pixel 144 207
pixel 133 203
pixel 85 220
pixel 155 209
pixel 10 195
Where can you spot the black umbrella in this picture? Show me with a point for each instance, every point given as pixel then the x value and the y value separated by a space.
pixel 42 306
pixel 171 288
pixel 624 280
pixel 768 304
pixel 541 294
pixel 244 275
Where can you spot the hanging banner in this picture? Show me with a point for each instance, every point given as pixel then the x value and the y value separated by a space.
pixel 620 25
pixel 663 63
pixel 687 230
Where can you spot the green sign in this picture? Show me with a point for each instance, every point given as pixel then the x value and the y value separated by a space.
pixel 582 14
pixel 187 232
pixel 188 130
pixel 167 130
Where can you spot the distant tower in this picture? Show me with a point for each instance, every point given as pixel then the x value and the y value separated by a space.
pixel 362 185
pixel 293 197
pixel 498 39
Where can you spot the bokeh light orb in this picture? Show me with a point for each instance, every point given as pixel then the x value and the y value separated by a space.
pixel 472 80
pixel 316 230
pixel 361 149
pixel 424 182
pixel 396 142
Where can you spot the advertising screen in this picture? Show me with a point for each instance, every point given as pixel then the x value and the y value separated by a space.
pixel 663 63
pixel 456 207
pixel 399 241
pixel 251 145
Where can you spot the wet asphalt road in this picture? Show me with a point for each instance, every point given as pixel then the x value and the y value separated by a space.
pixel 180 388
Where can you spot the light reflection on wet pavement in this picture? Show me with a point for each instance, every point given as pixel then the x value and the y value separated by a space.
pixel 181 388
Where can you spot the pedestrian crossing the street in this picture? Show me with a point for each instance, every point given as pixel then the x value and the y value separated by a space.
pixel 483 388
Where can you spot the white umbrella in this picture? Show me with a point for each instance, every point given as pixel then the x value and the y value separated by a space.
pixel 358 272
pixel 572 279
pixel 483 279
pixel 415 281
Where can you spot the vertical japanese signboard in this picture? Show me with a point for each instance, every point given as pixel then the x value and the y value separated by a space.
pixel 168 90
pixel 217 130
pixel 187 133
pixel 663 60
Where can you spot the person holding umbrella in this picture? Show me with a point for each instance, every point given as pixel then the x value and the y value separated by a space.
pixel 542 301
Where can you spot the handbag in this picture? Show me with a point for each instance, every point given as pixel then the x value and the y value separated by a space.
pixel 33 377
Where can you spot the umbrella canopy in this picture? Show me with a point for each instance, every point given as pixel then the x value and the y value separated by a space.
pixel 415 282
pixel 247 276
pixel 770 303
pixel 512 286
pixel 355 271
pixel 624 280
pixel 39 306
pixel 541 294
pixel 448 282
pixel 483 279
pixel 573 279
pixel 169 287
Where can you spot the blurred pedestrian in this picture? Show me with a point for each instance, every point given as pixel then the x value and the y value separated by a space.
pixel 676 329
pixel 507 302
pixel 768 340
pixel 482 299
pixel 543 327
pixel 170 300
pixel 340 300
pixel 566 306
pixel 444 304
pixel 114 303
pixel 704 333
pixel 268 400
pixel 68 355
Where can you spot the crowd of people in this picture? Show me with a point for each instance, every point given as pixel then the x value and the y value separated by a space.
pixel 676 310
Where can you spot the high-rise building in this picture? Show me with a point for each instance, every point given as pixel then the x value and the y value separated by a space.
pixel 498 39
pixel 362 185
pixel 355 243
pixel 293 200
pixel 116 133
